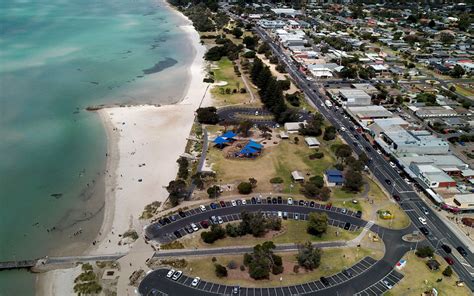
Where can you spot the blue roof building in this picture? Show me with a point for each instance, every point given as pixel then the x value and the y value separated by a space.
pixel 220 141
pixel 334 177
pixel 229 135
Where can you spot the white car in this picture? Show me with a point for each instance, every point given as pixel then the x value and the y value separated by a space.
pixel 177 275
pixel 379 152
pixel 194 226
pixel 170 273
pixel 343 129
pixel 203 208
pixel 244 202
pixel 233 203
pixel 290 201
pixel 422 220
pixel 280 214
pixel 219 219
pixel 296 217
pixel 407 181
pixel 387 284
pixel 196 281
pixel 392 165
pixel 344 211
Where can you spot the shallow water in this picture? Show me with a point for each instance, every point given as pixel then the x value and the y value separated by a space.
pixel 56 58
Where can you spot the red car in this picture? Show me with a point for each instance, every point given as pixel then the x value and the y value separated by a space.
pixel 222 203
pixel 449 260
pixel 204 224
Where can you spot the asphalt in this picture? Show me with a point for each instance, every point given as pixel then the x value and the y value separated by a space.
pixel 411 201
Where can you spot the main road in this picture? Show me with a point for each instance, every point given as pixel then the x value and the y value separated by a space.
pixel 411 202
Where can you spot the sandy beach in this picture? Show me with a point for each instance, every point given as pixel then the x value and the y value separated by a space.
pixel 144 143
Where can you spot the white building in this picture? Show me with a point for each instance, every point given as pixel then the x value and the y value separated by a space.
pixel 312 142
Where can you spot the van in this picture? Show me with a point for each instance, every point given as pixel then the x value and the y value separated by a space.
pixel 280 214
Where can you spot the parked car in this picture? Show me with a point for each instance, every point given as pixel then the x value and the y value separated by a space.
pixel 162 222
pixel 170 273
pixel 173 218
pixel 301 203
pixel 253 200
pixel 194 226
pixel 196 281
pixel 285 215
pixel 280 214
pixel 396 197
pixel 177 234
pixel 325 281
pixel 296 216
pixel 290 201
pixel 449 260
pixel 347 273
pixel 233 203
pixel 188 229
pixel 446 248
pixel 344 211
pixel 177 275
pixel 204 224
pixel 236 290
pixel 392 165
pixel 213 206
pixel 244 201
pixel 222 203
pixel 269 200
pixel 239 202
pixel 203 208
pixel 388 182
pixel 213 220
pixel 279 200
pixel 167 220
pixel 219 219
pixel 425 211
pixel 359 214
pixel 387 284
pixel 181 214
pixel 259 200
pixel 311 204
pixel 347 226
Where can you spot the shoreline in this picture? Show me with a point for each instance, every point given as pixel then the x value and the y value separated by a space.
pixel 139 139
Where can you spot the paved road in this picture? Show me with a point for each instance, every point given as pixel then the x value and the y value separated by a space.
pixel 411 201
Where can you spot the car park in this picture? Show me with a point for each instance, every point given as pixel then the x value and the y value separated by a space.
pixel 290 201
pixel 446 248
pixel 194 226
pixel 222 203
pixel 325 281
pixel 424 230
pixel 177 275
pixel 449 260
pixel 462 251
pixel 203 208
pixel 422 220
pixel 196 281
pixel 170 273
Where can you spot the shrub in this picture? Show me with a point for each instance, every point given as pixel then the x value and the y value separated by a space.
pixel 276 180
pixel 249 54
pixel 221 271
pixel 245 188
pixel 208 80
pixel 207 115
pixel 316 155
pixel 242 267
pixel 448 271
pixel 424 252
pixel 232 264
pixel 213 259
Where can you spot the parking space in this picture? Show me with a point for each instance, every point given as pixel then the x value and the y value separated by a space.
pixel 306 288
pixel 382 286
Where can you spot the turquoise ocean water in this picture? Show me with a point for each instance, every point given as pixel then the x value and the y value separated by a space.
pixel 56 58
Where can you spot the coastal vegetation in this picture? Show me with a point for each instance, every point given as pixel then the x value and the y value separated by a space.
pixel 87 283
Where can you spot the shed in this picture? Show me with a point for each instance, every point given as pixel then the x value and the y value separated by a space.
pixel 297 176
pixel 312 142
pixel 293 127
pixel 284 135
pixel 433 264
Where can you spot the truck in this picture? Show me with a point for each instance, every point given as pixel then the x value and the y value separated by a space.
pixel 328 103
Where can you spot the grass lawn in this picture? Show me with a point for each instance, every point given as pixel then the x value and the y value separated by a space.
pixel 464 91
pixel 292 232
pixel 332 261
pixel 225 72
pixel 276 161
pixel 419 278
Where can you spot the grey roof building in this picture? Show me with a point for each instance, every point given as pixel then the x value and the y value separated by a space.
pixel 355 97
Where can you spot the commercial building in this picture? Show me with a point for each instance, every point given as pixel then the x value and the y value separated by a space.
pixel 385 125
pixel 286 11
pixel 465 202
pixel 367 114
pixel 435 111
pixel 401 141
pixel 355 97
pixel 449 164
pixel 432 176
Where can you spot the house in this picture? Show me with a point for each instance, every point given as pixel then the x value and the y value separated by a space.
pixel 297 176
pixel 312 142
pixel 333 178
pixel 380 69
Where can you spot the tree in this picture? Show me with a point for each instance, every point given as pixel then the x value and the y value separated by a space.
pixel 177 190
pixel 324 193
pixel 253 182
pixel 308 256
pixel 221 271
pixel 214 191
pixel 448 271
pixel 262 261
pixel 446 37
pixel 466 104
pixel 432 24
pixel 244 188
pixel 249 42
pixel 464 22
pixel 424 252
pixel 317 223
pixel 457 71
pixel 353 180
pixel 318 181
pixel 313 127
pixel 207 115
pixel 253 223
pixel 244 128
pixel 310 190
pixel 237 32
pixel 329 133
pixel 343 151
pixel 216 232
pixel 183 168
